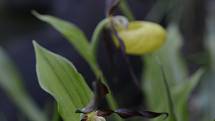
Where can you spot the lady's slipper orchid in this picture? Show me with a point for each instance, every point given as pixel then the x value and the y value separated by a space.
pixel 92 113
pixel 140 37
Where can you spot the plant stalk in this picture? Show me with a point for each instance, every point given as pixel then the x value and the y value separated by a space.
pixel 97 71
pixel 96 35
pixel 169 96
pixel 123 5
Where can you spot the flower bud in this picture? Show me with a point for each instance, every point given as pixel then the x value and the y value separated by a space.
pixel 141 37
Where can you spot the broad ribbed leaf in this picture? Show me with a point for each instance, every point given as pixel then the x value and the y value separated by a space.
pixel 72 33
pixel 12 84
pixel 58 77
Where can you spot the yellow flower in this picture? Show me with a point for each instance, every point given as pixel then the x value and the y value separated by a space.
pixel 141 37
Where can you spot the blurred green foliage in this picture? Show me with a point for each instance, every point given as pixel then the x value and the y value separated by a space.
pixel 12 83
pixel 175 69
pixel 206 98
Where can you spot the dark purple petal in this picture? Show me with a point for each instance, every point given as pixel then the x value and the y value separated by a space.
pixel 126 113
pixel 122 51
pixel 100 91
pixel 150 114
pixel 84 118
pixel 111 6
pixel 104 112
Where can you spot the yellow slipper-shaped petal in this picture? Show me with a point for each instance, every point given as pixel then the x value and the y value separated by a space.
pixel 142 37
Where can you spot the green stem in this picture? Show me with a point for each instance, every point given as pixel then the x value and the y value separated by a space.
pixel 126 10
pixel 94 46
pixel 112 103
pixel 169 96
pixel 27 106
pixel 56 115
pixel 96 35
pixel 110 99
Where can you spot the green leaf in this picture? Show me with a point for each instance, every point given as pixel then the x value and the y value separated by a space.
pixel 176 72
pixel 77 38
pixel 171 58
pixel 182 92
pixel 10 79
pixel 156 95
pixel 153 86
pixel 174 67
pixel 72 33
pixel 11 83
pixel 58 77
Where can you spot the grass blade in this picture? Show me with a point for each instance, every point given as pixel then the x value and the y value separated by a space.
pixel 11 83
